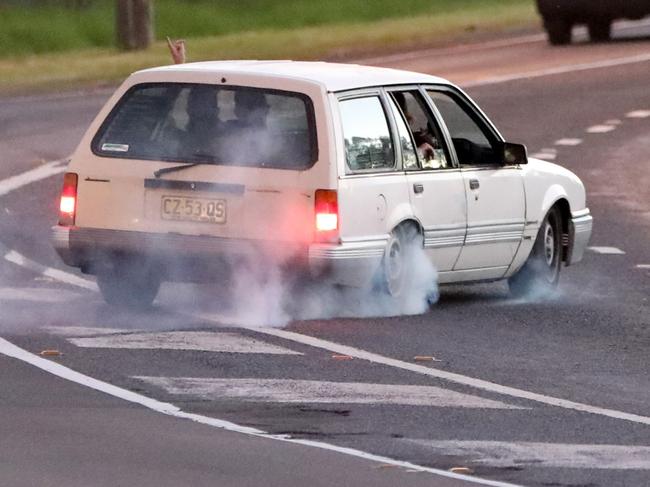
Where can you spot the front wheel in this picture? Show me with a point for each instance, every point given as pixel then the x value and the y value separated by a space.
pixel 129 286
pixel 541 273
pixel 600 30
pixel 559 31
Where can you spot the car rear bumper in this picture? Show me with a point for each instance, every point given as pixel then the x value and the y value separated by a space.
pixel 579 235
pixel 351 263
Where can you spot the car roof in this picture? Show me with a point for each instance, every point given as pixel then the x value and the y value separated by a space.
pixel 332 76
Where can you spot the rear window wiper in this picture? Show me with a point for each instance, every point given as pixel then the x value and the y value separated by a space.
pixel 166 170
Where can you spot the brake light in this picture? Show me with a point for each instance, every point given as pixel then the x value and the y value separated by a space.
pixel 68 203
pixel 327 214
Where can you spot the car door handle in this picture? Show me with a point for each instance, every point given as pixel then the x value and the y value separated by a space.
pixel 474 184
pixel 418 188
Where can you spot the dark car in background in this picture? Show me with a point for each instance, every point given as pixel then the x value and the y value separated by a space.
pixel 561 15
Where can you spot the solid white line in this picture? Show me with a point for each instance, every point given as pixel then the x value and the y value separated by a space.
pixel 609 63
pixel 449 376
pixel 42 172
pixel 607 250
pixel 568 142
pixel 601 129
pixel 38 294
pixel 325 392
pixel 207 341
pixel 438 51
pixel 11 350
pixel 66 277
pixel 535 454
pixel 643 266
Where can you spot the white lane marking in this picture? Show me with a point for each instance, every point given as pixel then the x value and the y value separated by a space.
pixel 42 172
pixel 437 51
pixel 638 114
pixel 600 129
pixel 442 374
pixel 609 63
pixel 38 294
pixel 547 156
pixel 62 276
pixel 607 250
pixel 11 350
pixel 643 266
pixel 84 331
pixel 206 341
pixel 313 391
pixel 568 142
pixel 450 376
pixel 531 454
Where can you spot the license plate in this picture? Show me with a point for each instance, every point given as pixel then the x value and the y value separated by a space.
pixel 193 209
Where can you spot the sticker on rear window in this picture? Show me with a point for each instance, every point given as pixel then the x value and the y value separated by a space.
pixel 115 147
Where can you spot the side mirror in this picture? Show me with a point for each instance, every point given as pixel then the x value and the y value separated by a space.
pixel 514 154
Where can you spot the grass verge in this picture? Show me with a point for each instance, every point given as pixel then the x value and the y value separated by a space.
pixel 93 66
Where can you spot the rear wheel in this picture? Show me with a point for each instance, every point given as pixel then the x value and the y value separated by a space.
pixel 559 31
pixel 129 286
pixel 600 30
pixel 398 262
pixel 541 272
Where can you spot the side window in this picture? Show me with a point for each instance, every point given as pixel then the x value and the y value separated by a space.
pixel 368 143
pixel 428 139
pixel 471 141
pixel 409 156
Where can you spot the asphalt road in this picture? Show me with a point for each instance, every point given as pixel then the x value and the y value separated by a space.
pixel 539 393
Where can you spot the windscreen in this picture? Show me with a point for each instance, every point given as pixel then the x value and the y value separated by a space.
pixel 211 124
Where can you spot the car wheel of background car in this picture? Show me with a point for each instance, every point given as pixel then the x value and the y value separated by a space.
pixel 541 272
pixel 599 30
pixel 558 30
pixel 129 286
pixel 398 262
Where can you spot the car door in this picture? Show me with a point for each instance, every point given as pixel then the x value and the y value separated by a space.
pixel 435 184
pixel 495 192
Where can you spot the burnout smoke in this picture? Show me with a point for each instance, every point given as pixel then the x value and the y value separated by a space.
pixel 262 294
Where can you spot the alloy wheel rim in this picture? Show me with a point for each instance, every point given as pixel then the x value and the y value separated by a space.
pixel 549 244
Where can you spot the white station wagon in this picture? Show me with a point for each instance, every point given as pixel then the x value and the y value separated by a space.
pixel 332 170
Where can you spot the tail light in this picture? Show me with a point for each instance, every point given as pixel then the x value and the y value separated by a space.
pixel 68 203
pixel 327 215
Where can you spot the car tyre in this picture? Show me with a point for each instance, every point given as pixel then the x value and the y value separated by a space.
pixel 397 262
pixel 540 274
pixel 599 30
pixel 129 286
pixel 559 31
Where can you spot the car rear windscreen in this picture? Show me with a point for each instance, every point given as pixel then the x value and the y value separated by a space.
pixel 201 123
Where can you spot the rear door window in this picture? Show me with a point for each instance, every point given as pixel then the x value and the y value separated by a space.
pixel 368 144
pixel 211 124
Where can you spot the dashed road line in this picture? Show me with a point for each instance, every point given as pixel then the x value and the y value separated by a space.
pixel 643 266
pixel 10 350
pixel 638 114
pixel 568 142
pixel 607 250
pixel 601 129
pixel 223 342
pixel 547 154
pixel 323 392
pixel 503 454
